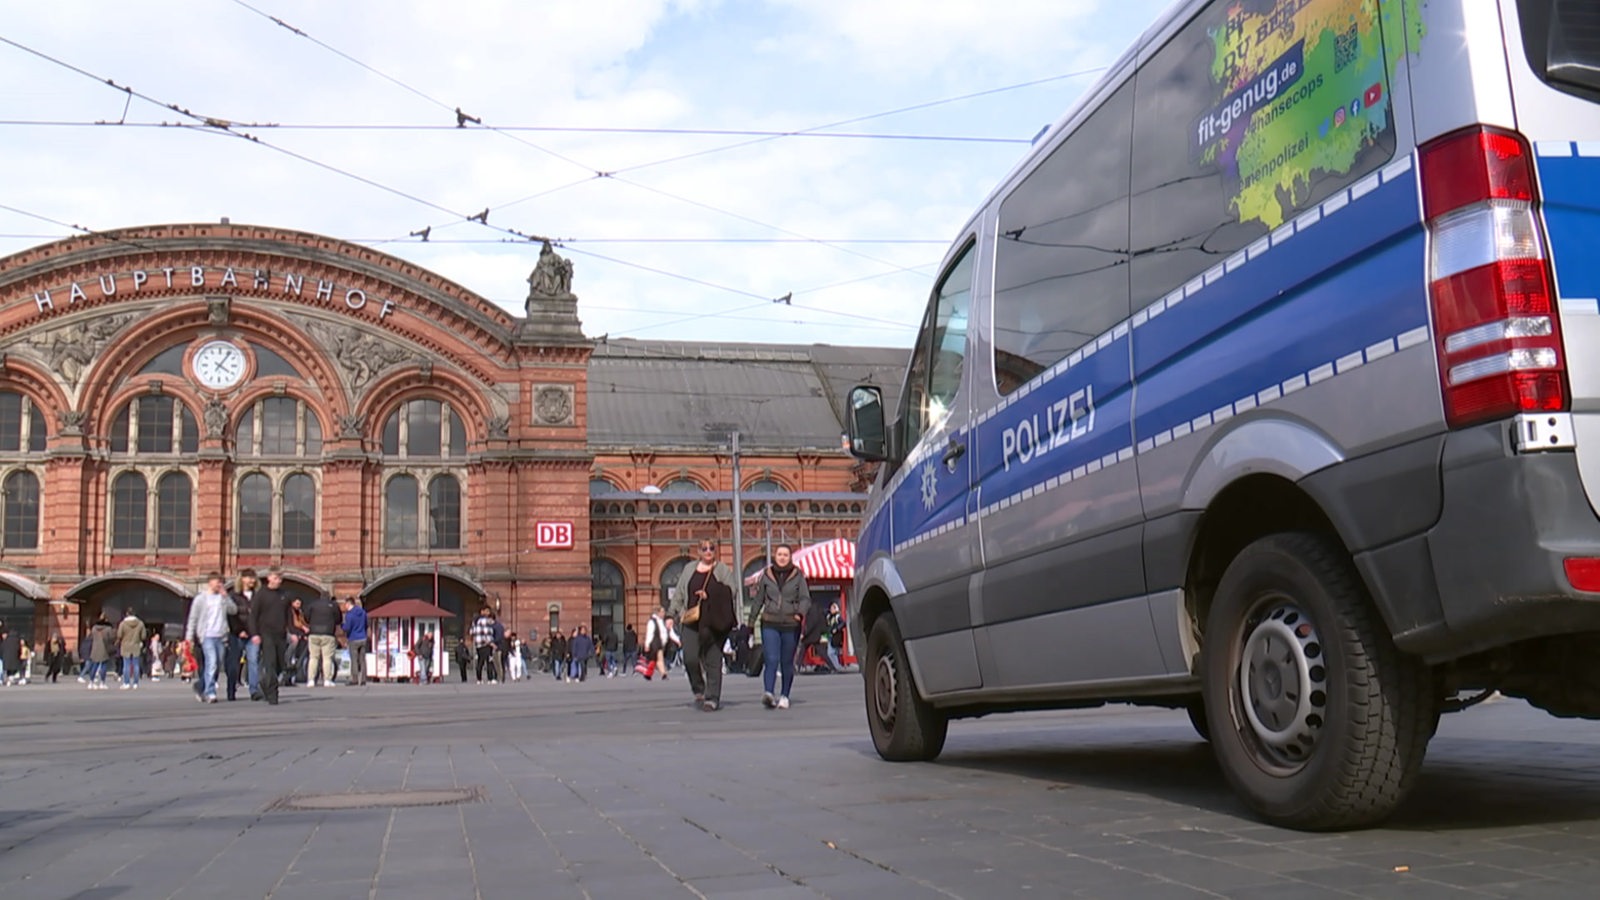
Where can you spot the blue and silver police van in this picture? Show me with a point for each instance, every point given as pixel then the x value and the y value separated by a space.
pixel 1266 387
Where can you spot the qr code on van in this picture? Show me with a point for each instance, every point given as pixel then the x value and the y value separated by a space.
pixel 1346 47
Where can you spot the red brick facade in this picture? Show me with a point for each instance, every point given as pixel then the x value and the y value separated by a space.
pixel 93 327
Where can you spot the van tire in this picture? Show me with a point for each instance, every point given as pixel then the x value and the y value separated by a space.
pixel 905 728
pixel 1316 719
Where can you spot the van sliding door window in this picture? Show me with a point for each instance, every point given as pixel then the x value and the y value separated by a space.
pixel 1061 261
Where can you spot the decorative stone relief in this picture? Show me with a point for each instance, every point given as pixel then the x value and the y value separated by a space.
pixel 552 404
pixel 350 425
pixel 71 349
pixel 71 421
pixel 499 428
pixel 216 416
pixel 217 310
pixel 361 355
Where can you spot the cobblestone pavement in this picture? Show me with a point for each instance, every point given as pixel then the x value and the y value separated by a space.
pixel 619 789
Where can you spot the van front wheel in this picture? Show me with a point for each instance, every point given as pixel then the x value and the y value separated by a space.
pixel 1317 720
pixel 905 728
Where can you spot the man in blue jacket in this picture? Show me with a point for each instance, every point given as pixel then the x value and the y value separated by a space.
pixel 355 633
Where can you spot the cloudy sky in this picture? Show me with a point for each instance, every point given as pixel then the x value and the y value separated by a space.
pixel 673 235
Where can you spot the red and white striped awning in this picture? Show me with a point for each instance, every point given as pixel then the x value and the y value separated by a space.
pixel 833 560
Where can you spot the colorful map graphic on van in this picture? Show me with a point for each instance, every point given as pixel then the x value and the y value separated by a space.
pixel 1303 89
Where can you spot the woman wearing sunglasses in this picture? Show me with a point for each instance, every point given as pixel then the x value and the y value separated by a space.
pixel 703 604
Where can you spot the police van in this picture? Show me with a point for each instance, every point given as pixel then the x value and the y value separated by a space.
pixel 1268 387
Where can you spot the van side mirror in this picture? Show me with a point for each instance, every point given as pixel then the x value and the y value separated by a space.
pixel 868 437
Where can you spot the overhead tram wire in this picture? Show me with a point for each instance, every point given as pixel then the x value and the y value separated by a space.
pixel 554 129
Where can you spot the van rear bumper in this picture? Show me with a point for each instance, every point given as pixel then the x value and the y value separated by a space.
pixel 1494 559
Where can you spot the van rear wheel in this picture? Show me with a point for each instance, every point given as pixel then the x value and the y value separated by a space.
pixel 905 728
pixel 1317 720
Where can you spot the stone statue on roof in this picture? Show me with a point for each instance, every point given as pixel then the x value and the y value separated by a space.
pixel 551 278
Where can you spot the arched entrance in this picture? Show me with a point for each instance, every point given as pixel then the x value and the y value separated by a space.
pixel 605 599
pixel 455 596
pixel 162 603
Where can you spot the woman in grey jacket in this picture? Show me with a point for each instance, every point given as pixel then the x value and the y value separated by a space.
pixel 784 595
pixel 702 642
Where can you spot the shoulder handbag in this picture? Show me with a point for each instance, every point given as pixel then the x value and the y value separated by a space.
pixel 691 616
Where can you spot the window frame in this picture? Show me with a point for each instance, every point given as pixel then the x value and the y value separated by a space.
pixel 6 509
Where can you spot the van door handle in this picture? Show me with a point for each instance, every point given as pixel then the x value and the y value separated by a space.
pixel 952 452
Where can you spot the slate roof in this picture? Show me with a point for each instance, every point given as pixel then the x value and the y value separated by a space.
pixel 690 394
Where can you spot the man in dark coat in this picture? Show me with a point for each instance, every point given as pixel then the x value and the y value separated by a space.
pixel 269 629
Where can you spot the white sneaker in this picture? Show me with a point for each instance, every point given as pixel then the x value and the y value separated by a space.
pixel 783 702
pixel 125 686
pixel 136 687
pixel 82 680
pixel 88 684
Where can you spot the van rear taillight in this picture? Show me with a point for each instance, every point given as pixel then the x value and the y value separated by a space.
pixel 1498 333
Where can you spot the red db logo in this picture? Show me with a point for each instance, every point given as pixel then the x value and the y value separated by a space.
pixel 552 535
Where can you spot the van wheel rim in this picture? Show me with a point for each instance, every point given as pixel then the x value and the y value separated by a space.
pixel 1283 685
pixel 884 687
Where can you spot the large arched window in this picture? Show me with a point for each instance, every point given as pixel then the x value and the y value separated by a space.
pixel 174 511
pixel 600 486
pixel 605 598
pixel 765 486
pixel 669 578
pixel 21 424
pixel 155 424
pixel 19 510
pixel 681 486
pixel 424 429
pixel 298 518
pixel 255 512
pixel 444 513
pixel 400 513
pixel 130 500
pixel 279 426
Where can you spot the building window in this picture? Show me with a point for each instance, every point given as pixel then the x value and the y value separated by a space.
pixel 400 513
pixel 681 486
pixel 279 426
pixel 298 522
pixel 765 486
pixel 669 578
pixel 20 498
pixel 255 512
pixel 21 424
pixel 600 486
pixel 130 498
pixel 16 613
pixel 444 513
pixel 174 511
pixel 155 425
pixel 424 429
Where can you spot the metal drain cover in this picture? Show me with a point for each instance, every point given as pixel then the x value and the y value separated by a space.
pixel 380 799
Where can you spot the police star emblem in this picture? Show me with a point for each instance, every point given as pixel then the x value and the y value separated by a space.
pixel 930 485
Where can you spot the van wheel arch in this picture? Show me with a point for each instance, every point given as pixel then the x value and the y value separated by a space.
pixel 1245 511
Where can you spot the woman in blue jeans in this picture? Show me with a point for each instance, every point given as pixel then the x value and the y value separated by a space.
pixel 783 595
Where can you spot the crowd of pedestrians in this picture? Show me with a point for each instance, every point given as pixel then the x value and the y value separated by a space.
pixel 255 636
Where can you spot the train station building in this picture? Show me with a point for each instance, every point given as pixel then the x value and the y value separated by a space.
pixel 186 398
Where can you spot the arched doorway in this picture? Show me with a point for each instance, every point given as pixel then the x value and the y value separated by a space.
pixel 669 578
pixel 455 596
pixel 605 599
pixel 164 609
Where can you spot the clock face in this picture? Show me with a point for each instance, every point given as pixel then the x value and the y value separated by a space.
pixel 218 365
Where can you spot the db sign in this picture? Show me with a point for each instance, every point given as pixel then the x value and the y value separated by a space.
pixel 552 535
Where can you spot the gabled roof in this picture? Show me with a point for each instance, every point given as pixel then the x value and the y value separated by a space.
pixel 692 394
